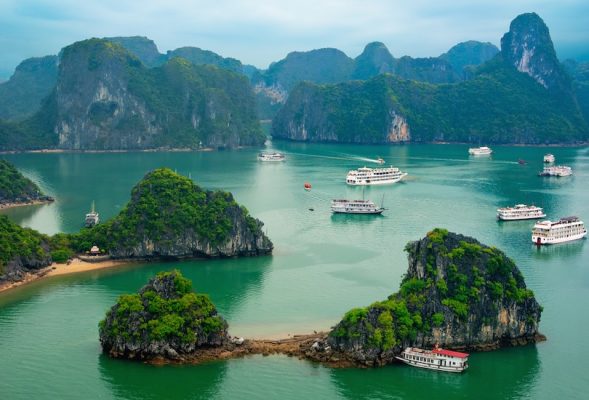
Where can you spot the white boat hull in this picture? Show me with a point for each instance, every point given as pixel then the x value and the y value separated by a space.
pixel 506 218
pixel 545 240
pixel 368 182
pixel 271 160
pixel 420 364
pixel 371 212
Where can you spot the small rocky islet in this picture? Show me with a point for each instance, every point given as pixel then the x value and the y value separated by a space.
pixel 457 293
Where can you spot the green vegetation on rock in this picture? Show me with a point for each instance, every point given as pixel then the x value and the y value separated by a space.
pixel 166 318
pixel 472 293
pixel 106 98
pixel 21 246
pixel 170 216
pixel 16 188
pixel 32 81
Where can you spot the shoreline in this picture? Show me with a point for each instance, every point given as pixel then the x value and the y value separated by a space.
pixel 209 149
pixel 74 267
pixel 6 206
pixel 312 347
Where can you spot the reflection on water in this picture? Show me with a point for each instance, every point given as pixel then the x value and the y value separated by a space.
pixel 133 380
pixel 485 379
pixel 559 251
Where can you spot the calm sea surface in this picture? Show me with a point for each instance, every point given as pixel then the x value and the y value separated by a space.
pixel 322 266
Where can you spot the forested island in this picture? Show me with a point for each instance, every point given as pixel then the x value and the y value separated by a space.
pixel 457 293
pixel 167 217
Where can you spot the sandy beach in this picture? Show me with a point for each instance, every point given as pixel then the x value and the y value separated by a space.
pixel 74 267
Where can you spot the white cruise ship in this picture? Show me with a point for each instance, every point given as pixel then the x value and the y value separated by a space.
pixel 480 151
pixel 564 230
pixel 355 207
pixel 557 170
pixel 520 211
pixel 92 218
pixel 437 359
pixel 264 156
pixel 549 158
pixel 374 176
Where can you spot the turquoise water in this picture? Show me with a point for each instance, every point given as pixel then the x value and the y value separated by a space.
pixel 322 266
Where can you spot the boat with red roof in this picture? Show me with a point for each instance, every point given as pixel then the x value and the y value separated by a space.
pixel 437 359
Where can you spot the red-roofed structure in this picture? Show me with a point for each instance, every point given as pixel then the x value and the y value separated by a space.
pixel 450 353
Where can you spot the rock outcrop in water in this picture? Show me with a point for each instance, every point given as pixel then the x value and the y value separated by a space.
pixel 165 319
pixel 169 216
pixel 457 293
pixel 16 189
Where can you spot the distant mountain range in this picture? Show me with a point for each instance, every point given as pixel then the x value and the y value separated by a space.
pixel 522 95
pixel 122 93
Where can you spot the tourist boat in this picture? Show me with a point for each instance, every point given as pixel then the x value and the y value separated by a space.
pixel 564 230
pixel 520 211
pixel 380 160
pixel 355 207
pixel 480 151
pixel 374 176
pixel 549 158
pixel 436 359
pixel 264 156
pixel 557 170
pixel 92 218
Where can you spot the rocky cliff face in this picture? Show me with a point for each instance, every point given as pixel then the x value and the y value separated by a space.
pixel 106 99
pixel 358 113
pixel 457 293
pixel 168 216
pixel 165 319
pixel 528 47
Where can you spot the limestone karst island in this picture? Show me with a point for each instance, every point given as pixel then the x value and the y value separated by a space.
pixel 368 200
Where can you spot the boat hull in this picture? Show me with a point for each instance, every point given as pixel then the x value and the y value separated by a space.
pixel 543 240
pixel 506 218
pixel 368 182
pixel 373 212
pixel 445 368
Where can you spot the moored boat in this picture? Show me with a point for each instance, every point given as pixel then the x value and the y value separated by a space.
pixel 549 158
pixel 436 359
pixel 265 156
pixel 374 176
pixel 557 170
pixel 480 151
pixel 564 230
pixel 520 211
pixel 92 218
pixel 355 207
